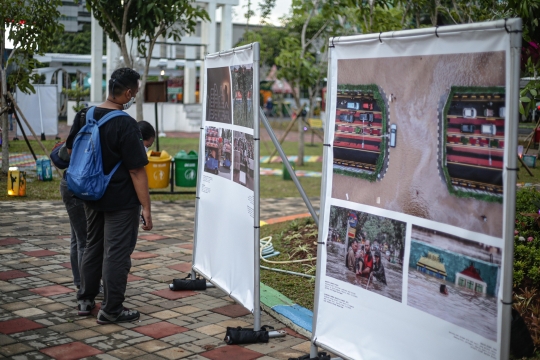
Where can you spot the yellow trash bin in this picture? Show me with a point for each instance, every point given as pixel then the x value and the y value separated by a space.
pixel 158 169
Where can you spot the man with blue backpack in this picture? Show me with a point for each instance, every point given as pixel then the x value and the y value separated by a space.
pixel 107 171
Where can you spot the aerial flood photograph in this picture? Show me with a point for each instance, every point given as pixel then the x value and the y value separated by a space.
pixel 454 279
pixel 359 143
pixel 415 90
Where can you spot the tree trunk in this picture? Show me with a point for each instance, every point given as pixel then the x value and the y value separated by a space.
pixel 300 160
pixel 5 125
pixel 3 92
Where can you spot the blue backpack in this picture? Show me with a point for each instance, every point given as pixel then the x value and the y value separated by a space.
pixel 85 177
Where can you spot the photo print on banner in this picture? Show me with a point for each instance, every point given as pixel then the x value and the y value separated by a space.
pixel 455 279
pixel 244 152
pixel 217 151
pixel 242 85
pixel 437 140
pixel 367 251
pixel 218 96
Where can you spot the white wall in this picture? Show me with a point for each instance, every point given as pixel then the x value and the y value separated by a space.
pixel 172 116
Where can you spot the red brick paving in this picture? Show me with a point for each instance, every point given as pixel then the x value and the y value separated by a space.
pixel 184 267
pixel 18 325
pixel 233 311
pixel 160 330
pixel 152 237
pixel 13 274
pixel 66 265
pixel 10 241
pixel 51 290
pixel 294 333
pixel 71 351
pixel 134 278
pixel 174 295
pixel 142 255
pixel 231 352
pixel 40 253
pixel 186 246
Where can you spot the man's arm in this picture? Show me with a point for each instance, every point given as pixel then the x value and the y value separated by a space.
pixel 140 182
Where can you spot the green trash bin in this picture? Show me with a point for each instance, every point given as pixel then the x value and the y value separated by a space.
pixel 186 168
pixel 286 175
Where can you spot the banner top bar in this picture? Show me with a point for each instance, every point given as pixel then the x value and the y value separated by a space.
pixel 511 26
pixel 230 52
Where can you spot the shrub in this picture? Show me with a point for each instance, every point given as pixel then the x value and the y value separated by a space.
pixel 527 239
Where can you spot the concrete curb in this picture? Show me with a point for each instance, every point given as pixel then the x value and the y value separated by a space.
pixel 286 311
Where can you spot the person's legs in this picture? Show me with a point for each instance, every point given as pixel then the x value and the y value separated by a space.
pixel 121 229
pixel 77 220
pixel 92 260
pixel 133 242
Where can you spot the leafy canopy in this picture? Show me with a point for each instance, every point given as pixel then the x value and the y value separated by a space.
pixel 145 20
pixel 30 25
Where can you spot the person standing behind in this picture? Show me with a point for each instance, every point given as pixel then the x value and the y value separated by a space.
pixel 148 134
pixel 113 220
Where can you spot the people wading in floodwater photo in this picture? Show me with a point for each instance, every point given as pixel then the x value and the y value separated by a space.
pixel 356 242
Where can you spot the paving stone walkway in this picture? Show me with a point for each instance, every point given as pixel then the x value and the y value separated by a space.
pixel 38 317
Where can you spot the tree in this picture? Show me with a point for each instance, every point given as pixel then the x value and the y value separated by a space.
pixel 300 60
pixel 145 22
pixel 30 25
pixel 73 43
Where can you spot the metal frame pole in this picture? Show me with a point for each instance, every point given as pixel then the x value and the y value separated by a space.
pixel 157 125
pixel 326 156
pixel 513 57
pixel 40 113
pixel 266 124
pixel 199 171
pixel 256 182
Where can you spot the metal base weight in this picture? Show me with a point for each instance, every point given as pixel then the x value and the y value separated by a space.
pixel 276 334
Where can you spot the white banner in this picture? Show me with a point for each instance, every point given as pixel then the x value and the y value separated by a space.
pixel 413 214
pixel 40 109
pixel 225 238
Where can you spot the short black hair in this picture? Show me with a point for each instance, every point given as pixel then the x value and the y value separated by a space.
pixel 147 130
pixel 123 79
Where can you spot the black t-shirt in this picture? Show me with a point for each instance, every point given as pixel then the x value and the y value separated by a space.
pixel 120 139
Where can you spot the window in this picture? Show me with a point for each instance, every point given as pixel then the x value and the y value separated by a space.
pixel 479 288
pixel 461 282
pixel 470 285
pixel 67 18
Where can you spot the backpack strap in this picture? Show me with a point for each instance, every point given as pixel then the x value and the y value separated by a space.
pixel 109 116
pixel 89 115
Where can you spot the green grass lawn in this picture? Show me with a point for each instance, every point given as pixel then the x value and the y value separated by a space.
pixel 298 289
pixel 271 186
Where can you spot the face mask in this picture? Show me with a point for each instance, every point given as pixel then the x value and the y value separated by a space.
pixel 129 103
pixel 145 149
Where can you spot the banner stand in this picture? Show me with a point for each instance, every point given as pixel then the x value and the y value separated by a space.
pixel 504 297
pixel 220 100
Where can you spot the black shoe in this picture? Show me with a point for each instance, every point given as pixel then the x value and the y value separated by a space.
pixel 85 307
pixel 125 316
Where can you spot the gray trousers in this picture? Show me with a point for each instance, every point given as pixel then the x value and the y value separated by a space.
pixel 77 221
pixel 108 249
